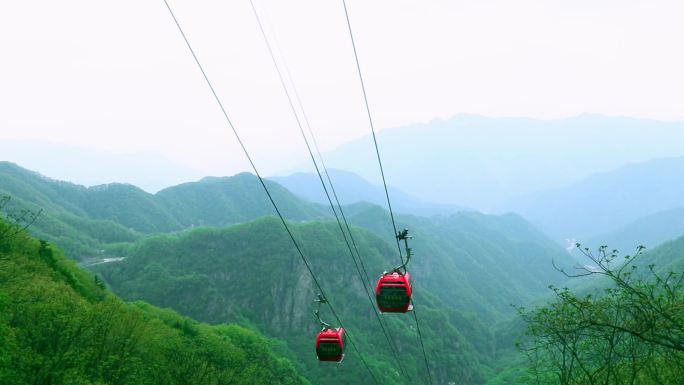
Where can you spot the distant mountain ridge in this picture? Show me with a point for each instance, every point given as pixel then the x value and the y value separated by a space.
pixel 88 166
pixel 649 231
pixel 481 162
pixel 122 212
pixel 351 188
pixel 606 202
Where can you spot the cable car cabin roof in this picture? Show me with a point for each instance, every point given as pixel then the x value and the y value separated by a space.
pixel 331 344
pixel 393 293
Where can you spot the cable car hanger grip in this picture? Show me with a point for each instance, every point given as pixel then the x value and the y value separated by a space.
pixel 403 236
pixel 321 300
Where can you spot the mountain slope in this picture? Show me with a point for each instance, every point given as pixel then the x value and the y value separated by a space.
pixel 605 202
pixel 351 188
pixel 84 220
pixel 250 273
pixel 476 262
pixel 61 218
pixel 130 206
pixel 58 325
pixel 666 257
pixel 230 200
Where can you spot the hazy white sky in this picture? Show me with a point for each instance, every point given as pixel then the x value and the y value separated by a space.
pixel 116 76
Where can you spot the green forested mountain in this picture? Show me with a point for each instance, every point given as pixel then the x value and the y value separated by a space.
pixel 83 220
pixel 250 273
pixel 62 218
pixel 480 265
pixel 58 325
pixel 225 201
pixel 490 261
pixel 668 256
pixel 468 269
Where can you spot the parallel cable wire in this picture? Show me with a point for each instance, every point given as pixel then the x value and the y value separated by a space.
pixel 372 127
pixel 270 197
pixel 422 346
pixel 377 152
pixel 367 290
pixel 383 322
pixel 385 328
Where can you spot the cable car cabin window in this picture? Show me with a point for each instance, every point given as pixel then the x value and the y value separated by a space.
pixel 393 293
pixel 393 297
pixel 330 345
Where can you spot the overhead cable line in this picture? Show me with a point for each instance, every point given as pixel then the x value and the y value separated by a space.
pixel 367 290
pixel 372 127
pixel 422 345
pixel 382 173
pixel 270 197
pixel 332 188
pixel 385 328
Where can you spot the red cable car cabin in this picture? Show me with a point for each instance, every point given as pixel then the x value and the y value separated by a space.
pixel 393 293
pixel 330 344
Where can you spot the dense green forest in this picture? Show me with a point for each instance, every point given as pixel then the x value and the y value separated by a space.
pixel 210 251
pixel 251 273
pixel 59 325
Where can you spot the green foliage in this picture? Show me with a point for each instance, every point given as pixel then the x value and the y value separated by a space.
pixel 630 333
pixel 59 325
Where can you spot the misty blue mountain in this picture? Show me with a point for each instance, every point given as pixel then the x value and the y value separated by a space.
pixel 351 188
pixel 607 202
pixel 649 231
pixel 481 162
